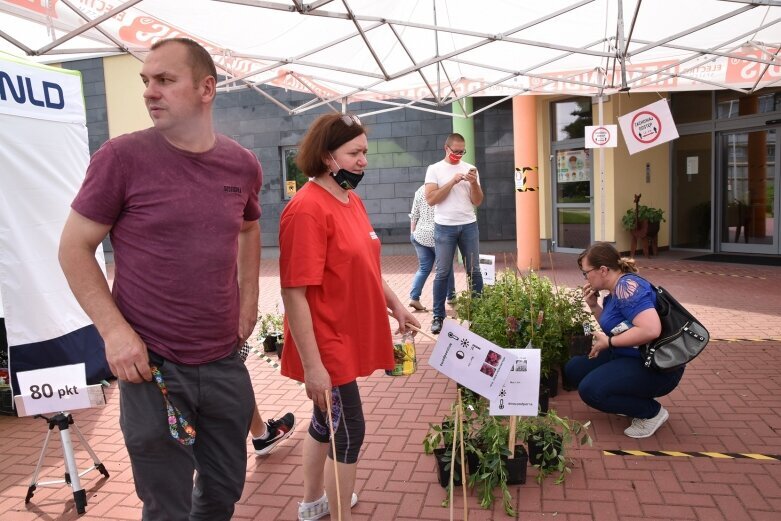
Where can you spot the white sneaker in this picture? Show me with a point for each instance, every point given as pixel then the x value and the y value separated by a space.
pixel 319 508
pixel 645 427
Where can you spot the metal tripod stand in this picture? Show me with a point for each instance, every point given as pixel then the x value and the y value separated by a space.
pixel 63 421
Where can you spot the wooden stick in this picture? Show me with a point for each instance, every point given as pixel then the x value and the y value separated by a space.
pixel 513 427
pixel 463 459
pixel 333 448
pixel 456 419
pixel 433 339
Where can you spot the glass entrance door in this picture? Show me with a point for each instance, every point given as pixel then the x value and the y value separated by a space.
pixel 749 201
pixel 572 203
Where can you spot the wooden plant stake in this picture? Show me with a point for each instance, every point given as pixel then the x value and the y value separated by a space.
pixel 457 421
pixel 333 448
pixel 513 427
pixel 463 459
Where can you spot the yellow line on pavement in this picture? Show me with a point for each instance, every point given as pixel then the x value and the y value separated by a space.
pixel 693 454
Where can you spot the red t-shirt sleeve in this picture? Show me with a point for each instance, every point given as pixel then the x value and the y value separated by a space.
pixel 302 249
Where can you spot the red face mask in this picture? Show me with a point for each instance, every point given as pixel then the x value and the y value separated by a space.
pixel 454 158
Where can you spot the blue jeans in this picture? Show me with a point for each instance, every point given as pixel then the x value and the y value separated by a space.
pixel 426 258
pixel 620 384
pixel 446 238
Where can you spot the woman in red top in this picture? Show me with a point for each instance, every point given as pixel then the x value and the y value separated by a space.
pixel 336 305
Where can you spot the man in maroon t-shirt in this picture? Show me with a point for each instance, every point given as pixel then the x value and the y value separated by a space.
pixel 181 205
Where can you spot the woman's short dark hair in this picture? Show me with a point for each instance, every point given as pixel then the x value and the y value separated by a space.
pixel 326 134
pixel 200 60
pixel 605 254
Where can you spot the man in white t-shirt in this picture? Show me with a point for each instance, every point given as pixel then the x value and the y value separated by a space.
pixel 453 189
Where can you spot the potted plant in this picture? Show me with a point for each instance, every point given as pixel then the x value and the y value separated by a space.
pixel 643 217
pixel 439 442
pixel 643 222
pixel 549 436
pixel 270 332
pixel 522 309
pixel 496 464
pixel 489 460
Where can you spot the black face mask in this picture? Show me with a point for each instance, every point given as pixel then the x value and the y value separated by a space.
pixel 347 179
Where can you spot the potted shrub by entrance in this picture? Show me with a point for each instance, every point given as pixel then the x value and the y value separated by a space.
pixel 643 222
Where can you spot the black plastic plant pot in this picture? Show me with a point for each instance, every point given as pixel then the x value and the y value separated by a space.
pixel 552 383
pixel 443 468
pixel 516 466
pixel 472 463
pixel 544 396
pixel 270 344
pixel 536 448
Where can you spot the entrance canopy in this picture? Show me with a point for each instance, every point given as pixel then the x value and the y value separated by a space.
pixel 427 54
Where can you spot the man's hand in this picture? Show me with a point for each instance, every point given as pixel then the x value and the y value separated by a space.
pixel 247 320
pixel 471 176
pixel 127 355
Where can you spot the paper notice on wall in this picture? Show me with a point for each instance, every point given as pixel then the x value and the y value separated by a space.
pixel 520 394
pixel 647 127
pixel 471 360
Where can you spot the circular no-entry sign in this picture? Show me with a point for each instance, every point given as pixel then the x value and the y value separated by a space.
pixel 600 136
pixel 646 127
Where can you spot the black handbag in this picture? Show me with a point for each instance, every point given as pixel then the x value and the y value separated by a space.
pixel 683 337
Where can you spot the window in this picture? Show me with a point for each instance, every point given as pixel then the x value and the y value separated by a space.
pixel 293 178
pixel 731 104
pixel 570 119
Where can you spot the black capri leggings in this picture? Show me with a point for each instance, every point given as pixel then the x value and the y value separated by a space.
pixel 349 425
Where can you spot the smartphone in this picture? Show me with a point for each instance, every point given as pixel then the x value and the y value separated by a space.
pixel 473 170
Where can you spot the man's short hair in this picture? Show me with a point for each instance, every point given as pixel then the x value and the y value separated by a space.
pixel 454 137
pixel 201 61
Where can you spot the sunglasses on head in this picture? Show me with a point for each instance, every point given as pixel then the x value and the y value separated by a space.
pixel 349 119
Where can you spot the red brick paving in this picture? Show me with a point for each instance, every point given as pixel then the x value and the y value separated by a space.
pixel 727 402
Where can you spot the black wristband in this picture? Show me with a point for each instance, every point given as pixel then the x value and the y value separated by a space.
pixel 610 342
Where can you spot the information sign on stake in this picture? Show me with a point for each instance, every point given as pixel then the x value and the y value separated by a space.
pixel 471 360
pixel 520 394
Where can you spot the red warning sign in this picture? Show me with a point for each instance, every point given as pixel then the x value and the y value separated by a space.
pixel 646 126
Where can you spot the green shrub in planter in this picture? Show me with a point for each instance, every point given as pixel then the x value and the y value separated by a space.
pixel 549 437
pixel 520 309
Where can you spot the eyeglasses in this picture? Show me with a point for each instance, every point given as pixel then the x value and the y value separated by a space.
pixel 349 119
pixel 457 152
pixel 585 273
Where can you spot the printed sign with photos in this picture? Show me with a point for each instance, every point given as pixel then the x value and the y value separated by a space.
pixel 520 394
pixel 471 360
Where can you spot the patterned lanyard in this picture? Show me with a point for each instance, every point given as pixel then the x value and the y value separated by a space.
pixel 175 418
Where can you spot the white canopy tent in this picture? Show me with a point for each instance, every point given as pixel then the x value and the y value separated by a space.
pixel 43 159
pixel 426 54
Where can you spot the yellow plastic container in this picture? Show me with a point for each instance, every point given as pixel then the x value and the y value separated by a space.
pixel 404 356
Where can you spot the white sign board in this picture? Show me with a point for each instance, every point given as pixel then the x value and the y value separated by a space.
pixel 471 360
pixel 488 269
pixel 520 394
pixel 54 389
pixel 647 127
pixel 604 136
